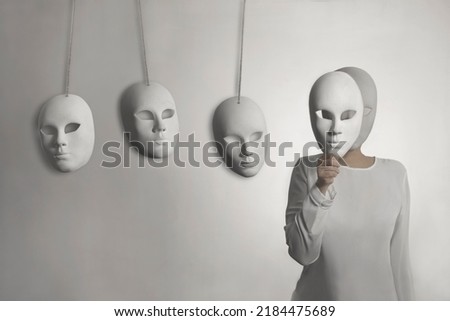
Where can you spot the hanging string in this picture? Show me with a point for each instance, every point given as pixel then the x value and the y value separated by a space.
pixel 242 52
pixel 144 54
pixel 69 54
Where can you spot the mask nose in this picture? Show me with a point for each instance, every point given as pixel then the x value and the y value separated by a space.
pixel 245 150
pixel 159 126
pixel 61 140
pixel 336 127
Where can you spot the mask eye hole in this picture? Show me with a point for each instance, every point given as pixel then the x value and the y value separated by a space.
pixel 70 128
pixel 232 139
pixel 348 114
pixel 48 130
pixel 256 136
pixel 168 113
pixel 144 115
pixel 367 110
pixel 324 114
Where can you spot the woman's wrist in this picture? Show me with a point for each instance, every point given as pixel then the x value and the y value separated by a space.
pixel 323 188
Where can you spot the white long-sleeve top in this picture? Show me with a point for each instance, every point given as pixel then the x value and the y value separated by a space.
pixel 353 241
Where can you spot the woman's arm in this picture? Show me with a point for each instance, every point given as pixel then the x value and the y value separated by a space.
pixel 305 217
pixel 401 267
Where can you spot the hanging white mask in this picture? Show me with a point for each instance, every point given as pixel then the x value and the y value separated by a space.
pixel 239 130
pixel 149 115
pixel 369 95
pixel 66 129
pixel 336 111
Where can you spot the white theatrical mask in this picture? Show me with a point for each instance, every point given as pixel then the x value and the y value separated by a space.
pixel 336 111
pixel 66 129
pixel 149 115
pixel 369 95
pixel 239 130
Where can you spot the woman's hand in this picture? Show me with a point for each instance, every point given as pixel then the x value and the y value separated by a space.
pixel 327 170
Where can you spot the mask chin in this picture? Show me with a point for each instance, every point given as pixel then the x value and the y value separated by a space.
pixel 340 148
pixel 159 149
pixel 66 131
pixel 149 116
pixel 239 129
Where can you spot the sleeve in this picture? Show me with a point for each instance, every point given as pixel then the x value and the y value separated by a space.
pixel 400 262
pixel 305 217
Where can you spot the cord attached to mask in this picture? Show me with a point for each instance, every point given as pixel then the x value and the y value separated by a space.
pixel 242 52
pixel 141 25
pixel 69 54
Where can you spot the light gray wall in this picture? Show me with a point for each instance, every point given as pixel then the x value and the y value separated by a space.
pixel 202 233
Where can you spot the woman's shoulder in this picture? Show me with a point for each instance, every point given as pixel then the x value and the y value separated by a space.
pixel 391 165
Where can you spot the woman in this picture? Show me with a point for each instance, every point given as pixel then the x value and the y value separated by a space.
pixel 347 217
